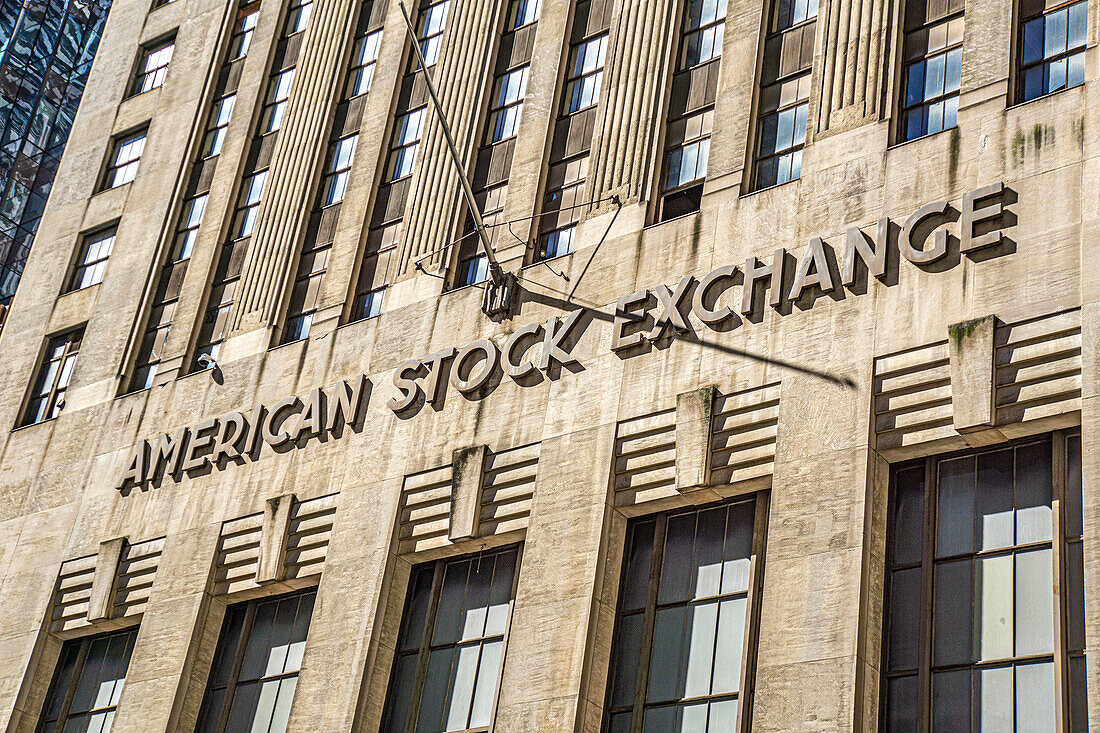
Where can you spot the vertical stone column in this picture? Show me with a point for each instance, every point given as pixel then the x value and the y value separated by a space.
pixel 852 43
pixel 556 583
pixel 632 103
pixel 461 78
pixel 301 143
pixel 171 636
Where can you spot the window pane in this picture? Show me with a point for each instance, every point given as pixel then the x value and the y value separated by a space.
pixel 904 639
pixel 994 500
pixel 675 570
pixel 901 705
pixel 994 699
pixel 955 508
pixel 993 623
pixel 639 560
pixel 665 659
pixel 951 700
pixel 908 528
pixel 953 614
pixel 702 630
pixel 1034 488
pixel 1034 603
pixel 1035 707
pixel 628 651
pixel 731 639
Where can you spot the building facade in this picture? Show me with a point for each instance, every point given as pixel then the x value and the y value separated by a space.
pixel 790 424
pixel 46 52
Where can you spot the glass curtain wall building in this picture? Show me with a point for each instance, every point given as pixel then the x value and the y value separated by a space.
pixel 46 52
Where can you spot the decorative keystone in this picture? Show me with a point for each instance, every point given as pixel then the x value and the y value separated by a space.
pixel 973 380
pixel 274 537
pixel 694 411
pixel 467 483
pixel 107 561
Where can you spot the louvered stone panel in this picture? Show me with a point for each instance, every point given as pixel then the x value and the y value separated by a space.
pixel 238 554
pixel 310 532
pixel 1038 368
pixel 136 571
pixel 74 589
pixel 743 433
pixel 645 458
pixel 913 397
pixel 508 486
pixel 425 514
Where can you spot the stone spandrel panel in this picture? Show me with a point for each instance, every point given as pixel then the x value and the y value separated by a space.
pixel 854 37
pixel 742 447
pixel 505 491
pixel 1037 366
pixel 912 399
pixel 131 583
pixel 304 553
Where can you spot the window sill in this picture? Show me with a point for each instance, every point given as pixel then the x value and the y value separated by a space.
pixel 770 188
pixel 1040 98
pixel 536 263
pixel 48 420
pixel 929 136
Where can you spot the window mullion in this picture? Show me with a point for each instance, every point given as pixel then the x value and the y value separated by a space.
pixel 425 647
pixel 74 682
pixel 924 653
pixel 650 620
pixel 238 662
pixel 1058 552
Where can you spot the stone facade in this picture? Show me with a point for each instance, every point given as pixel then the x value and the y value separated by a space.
pixel 807 403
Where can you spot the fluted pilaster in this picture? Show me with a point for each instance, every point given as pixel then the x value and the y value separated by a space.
pixel 283 211
pixel 854 34
pixel 624 147
pixel 461 78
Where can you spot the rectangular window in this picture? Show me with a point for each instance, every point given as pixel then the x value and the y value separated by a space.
pixel 976 546
pixel 364 58
pixel 572 142
pixel 278 92
pixel 248 205
pixel 785 92
pixel 256 665
pixel 406 141
pixel 1052 47
pixel 524 12
pixel 339 168
pixel 153 66
pixel 88 682
pixel 91 262
pixel 298 16
pixel 509 91
pixel 691 108
pixel 243 28
pixel 683 615
pixel 451 646
pixel 218 124
pixel 432 23
pixel 933 67
pixel 47 397
pixel 125 155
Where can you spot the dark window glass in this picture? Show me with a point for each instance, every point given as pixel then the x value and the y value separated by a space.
pixel 683 618
pixel 256 665
pixel 972 641
pixel 86 687
pixel 691 107
pixel 933 68
pixel 298 16
pixel 91 262
pixel 451 646
pixel 785 92
pixel 1052 47
pixel 243 28
pixel 47 397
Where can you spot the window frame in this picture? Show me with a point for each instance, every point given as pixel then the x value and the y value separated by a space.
pixel 240 38
pixel 1061 655
pixel 65 339
pixel 83 645
pixel 1020 69
pixel 157 74
pixel 423 653
pixel 247 626
pixel 907 36
pixel 73 282
pixel 745 694
pixel 113 166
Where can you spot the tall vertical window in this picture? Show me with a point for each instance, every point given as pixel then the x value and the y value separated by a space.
pixel 47 397
pixel 785 92
pixel 249 204
pixel 125 155
pixel 256 665
pixel 278 92
pixel 494 158
pixel 683 617
pixel 1052 47
pixel 451 646
pixel 153 66
pixel 91 260
pixel 568 170
pixel 933 67
pixel 88 682
pixel 976 546
pixel 388 209
pixel 691 108
pixel 364 58
pixel 243 27
pixel 218 124
pixel 298 16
